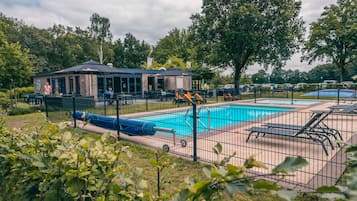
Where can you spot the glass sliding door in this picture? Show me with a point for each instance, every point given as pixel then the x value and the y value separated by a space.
pixel 124 85
pixel 132 85
pixel 100 82
pixel 138 86
pixel 117 85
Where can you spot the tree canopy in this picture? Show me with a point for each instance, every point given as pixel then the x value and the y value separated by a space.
pixel 15 65
pixel 99 30
pixel 238 33
pixel 334 36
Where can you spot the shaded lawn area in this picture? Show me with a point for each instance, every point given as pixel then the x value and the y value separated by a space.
pixel 172 179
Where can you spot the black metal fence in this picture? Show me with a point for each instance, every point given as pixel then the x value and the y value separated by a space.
pixel 192 129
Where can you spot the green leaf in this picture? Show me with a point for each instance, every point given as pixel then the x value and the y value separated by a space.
pixel 231 189
pixel 351 149
pixel 328 189
pixel 182 195
pixel 266 185
pixel 251 162
pixel 288 195
pixel 290 164
pixel 207 172
pixel 38 164
pixel 199 186
pixel 217 148
pixel 333 196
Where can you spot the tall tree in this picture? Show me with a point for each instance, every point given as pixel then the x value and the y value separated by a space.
pixel 15 65
pixel 238 33
pixel 99 30
pixel 334 35
pixel 176 44
pixel 135 52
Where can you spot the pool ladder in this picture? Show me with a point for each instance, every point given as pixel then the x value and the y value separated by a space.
pixel 198 119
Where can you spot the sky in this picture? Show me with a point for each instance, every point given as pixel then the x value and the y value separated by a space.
pixel 147 20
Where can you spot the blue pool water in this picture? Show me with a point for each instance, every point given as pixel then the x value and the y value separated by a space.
pixel 344 93
pixel 287 102
pixel 211 117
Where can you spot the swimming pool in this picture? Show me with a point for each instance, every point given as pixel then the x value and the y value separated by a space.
pixel 287 102
pixel 211 117
pixel 344 93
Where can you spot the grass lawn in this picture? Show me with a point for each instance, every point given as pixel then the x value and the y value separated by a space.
pixel 173 178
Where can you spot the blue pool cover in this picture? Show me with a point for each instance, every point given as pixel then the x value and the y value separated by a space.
pixel 127 126
pixel 344 93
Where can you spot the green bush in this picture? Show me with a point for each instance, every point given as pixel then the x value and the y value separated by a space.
pixel 4 103
pixel 54 164
pixel 20 110
pixel 24 90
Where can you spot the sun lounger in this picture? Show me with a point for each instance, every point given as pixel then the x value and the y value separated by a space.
pixel 303 133
pixel 348 109
pixel 317 126
pixel 178 99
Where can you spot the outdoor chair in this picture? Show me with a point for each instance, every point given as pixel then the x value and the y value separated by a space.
pixel 227 97
pixel 178 99
pixel 200 99
pixel 348 109
pixel 303 133
pixel 318 126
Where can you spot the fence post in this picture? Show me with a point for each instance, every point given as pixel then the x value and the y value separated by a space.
pixel 105 107
pixel 318 91
pixel 46 106
pixel 255 95
pixel 147 102
pixel 338 95
pixel 117 122
pixel 74 112
pixel 194 118
pixel 292 95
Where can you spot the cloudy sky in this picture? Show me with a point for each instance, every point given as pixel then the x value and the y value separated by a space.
pixel 148 20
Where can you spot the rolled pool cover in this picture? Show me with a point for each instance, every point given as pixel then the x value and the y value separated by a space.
pixel 127 126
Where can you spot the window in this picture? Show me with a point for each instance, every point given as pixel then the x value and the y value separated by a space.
pixel 109 83
pixel 160 83
pixel 138 85
pixel 71 85
pixel 124 85
pixel 179 82
pixel 117 85
pixel 132 85
pixel 100 83
pixel 78 86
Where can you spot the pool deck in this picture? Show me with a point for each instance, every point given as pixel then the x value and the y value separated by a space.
pixel 270 150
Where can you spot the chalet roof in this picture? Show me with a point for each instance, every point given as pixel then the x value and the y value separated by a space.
pixel 93 67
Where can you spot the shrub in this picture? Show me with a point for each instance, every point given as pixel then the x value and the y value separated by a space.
pixel 20 111
pixel 24 90
pixel 4 103
pixel 54 164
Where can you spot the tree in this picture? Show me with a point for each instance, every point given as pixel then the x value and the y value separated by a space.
pixel 238 33
pixel 176 44
pixel 99 30
pixel 323 72
pixel 277 76
pixel 135 52
pixel 334 36
pixel 260 77
pixel 15 65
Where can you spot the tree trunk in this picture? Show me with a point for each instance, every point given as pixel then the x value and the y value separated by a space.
pixel 342 73
pixel 237 75
pixel 100 53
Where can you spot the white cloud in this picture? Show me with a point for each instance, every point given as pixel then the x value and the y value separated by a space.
pixel 148 20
